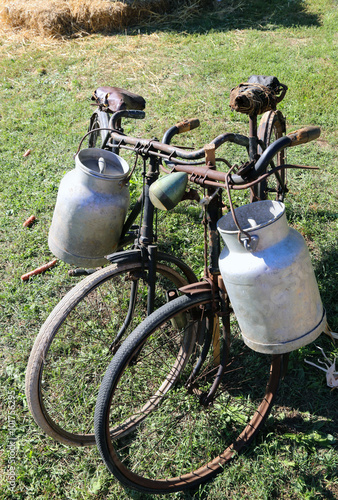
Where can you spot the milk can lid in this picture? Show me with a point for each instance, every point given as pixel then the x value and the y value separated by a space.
pixel 252 216
pixel 102 163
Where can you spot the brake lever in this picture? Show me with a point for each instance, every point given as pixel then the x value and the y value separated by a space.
pixel 247 171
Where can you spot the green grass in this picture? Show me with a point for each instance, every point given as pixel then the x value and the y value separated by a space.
pixel 182 70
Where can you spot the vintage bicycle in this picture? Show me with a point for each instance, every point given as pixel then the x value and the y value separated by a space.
pixel 184 394
pixel 84 330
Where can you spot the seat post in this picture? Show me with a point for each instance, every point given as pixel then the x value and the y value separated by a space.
pixel 252 136
pixel 253 147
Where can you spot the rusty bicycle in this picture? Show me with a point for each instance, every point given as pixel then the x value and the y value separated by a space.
pixel 86 327
pixel 184 394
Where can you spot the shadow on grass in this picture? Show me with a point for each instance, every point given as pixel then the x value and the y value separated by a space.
pixel 310 407
pixel 226 15
pixel 217 15
pixel 188 495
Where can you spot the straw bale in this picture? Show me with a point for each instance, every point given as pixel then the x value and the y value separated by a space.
pixel 71 17
pixel 52 17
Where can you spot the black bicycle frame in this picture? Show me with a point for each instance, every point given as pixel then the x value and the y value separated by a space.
pixel 144 241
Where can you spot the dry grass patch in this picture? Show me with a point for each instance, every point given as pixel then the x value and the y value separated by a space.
pixel 77 17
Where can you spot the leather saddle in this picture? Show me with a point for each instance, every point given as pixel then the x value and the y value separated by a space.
pixel 115 99
pixel 257 95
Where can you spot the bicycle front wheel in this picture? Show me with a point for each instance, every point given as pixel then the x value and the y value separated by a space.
pixel 76 343
pixel 156 428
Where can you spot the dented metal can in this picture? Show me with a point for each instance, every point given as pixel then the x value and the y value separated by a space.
pixel 269 278
pixel 90 210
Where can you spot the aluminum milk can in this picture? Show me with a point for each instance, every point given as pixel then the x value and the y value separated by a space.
pixel 90 209
pixel 270 279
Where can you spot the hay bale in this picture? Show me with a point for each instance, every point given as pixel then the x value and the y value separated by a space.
pixel 102 15
pixel 71 17
pixel 49 18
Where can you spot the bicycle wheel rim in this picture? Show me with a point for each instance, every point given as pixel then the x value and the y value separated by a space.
pixel 128 458
pixel 98 120
pixel 271 128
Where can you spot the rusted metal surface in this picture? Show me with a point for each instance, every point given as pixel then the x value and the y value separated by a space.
pixel 187 125
pixel 195 288
pixel 213 214
pixel 210 155
pixel 253 137
pixel 304 135
pixel 175 152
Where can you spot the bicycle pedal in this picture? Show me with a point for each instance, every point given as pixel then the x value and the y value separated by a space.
pixel 134 276
pixel 193 389
pixel 82 272
pixel 171 294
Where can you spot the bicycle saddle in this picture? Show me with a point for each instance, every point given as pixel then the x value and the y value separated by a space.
pixel 259 94
pixel 115 99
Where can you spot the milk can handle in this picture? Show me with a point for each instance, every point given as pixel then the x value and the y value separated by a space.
pixel 88 133
pixel 250 244
pixel 249 241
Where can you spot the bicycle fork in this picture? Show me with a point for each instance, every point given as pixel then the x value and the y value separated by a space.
pixel 148 251
pixel 213 335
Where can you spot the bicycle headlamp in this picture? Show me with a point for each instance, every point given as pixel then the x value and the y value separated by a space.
pixel 167 192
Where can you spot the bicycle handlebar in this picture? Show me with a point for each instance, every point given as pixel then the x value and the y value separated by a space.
pixel 187 125
pixel 126 113
pixel 300 136
pixel 304 135
pixel 179 128
pixel 174 151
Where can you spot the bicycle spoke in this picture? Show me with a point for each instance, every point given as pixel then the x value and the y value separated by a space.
pixel 162 428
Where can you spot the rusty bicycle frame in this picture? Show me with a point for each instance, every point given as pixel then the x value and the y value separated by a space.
pixel 204 174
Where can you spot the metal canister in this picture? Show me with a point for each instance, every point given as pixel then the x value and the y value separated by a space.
pixel 90 210
pixel 268 275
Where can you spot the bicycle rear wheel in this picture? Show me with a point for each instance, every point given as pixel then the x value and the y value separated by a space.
pixel 76 343
pixel 98 120
pixel 155 427
pixel 271 128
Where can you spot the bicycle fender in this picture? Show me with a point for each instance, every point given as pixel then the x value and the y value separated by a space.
pixel 125 257
pixel 195 288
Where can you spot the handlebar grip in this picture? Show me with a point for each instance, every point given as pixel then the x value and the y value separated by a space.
pixel 187 125
pixel 125 113
pixel 304 135
pixel 135 113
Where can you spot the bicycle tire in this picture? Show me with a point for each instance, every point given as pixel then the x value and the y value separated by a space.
pixel 271 128
pixel 98 120
pixel 72 348
pixel 180 442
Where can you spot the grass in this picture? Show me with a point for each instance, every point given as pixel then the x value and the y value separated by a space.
pixel 182 70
